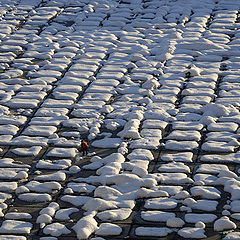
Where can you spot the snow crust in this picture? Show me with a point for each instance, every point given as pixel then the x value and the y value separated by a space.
pixel 15 226
pixel 189 232
pixel 85 227
pixel 108 229
pixel 56 229
pixel 223 224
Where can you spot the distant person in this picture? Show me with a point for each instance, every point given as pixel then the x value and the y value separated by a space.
pixel 84 147
pixel 188 74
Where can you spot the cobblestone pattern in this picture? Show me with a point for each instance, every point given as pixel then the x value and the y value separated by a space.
pixel 93 69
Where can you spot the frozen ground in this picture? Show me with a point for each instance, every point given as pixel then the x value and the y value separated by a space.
pixel 153 85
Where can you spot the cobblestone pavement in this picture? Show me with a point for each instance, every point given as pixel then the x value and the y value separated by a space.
pixel 153 86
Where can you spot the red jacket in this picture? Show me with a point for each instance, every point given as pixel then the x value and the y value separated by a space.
pixel 84 145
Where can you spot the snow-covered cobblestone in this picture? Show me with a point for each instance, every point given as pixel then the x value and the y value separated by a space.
pixel 153 86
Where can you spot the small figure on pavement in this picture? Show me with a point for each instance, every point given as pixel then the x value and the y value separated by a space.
pixel 188 74
pixel 84 147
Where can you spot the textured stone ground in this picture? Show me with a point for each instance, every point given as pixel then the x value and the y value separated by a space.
pixel 157 75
